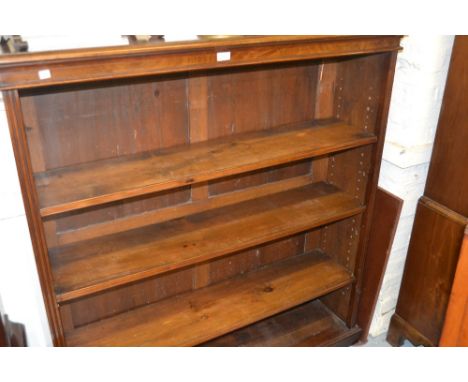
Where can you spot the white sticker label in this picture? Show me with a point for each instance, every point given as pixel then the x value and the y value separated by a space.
pixel 223 56
pixel 44 74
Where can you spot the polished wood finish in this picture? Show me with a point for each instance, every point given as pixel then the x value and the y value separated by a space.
pixel 124 177
pixel 440 221
pixel 196 317
pixel 385 219
pixel 447 182
pixel 21 70
pixel 455 330
pixel 138 254
pixel 422 309
pixel 156 177
pixel 311 324
pixel 119 300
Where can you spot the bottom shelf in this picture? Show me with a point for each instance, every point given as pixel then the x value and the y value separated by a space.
pixel 196 317
pixel 311 324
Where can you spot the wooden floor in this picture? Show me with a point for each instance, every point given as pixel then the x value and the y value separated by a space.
pixel 195 317
pixel 99 264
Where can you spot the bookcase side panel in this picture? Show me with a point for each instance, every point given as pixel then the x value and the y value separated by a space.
pixel 361 99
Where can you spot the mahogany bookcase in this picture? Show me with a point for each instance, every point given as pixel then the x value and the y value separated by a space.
pixel 212 192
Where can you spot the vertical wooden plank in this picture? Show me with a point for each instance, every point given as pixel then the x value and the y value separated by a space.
pixel 198 121
pixel 447 182
pixel 36 229
pixel 384 223
pixel 325 97
pixel 455 330
pixel 198 125
pixel 50 232
pixel 67 318
pixel 324 108
pixel 312 240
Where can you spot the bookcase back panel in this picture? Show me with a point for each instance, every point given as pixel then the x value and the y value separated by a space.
pixel 257 178
pixel 255 99
pixel 87 122
pixel 120 210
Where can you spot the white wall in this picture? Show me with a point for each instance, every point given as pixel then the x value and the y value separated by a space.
pixel 414 111
pixel 418 89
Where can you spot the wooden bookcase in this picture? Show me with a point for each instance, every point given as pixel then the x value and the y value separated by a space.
pixel 175 199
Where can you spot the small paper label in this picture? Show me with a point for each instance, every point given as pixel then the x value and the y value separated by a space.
pixel 223 56
pixel 44 74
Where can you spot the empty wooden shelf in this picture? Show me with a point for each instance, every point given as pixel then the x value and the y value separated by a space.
pixel 195 317
pixel 176 200
pixel 119 178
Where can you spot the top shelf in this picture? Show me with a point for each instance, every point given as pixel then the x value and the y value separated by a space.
pixel 75 187
pixel 21 71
